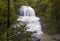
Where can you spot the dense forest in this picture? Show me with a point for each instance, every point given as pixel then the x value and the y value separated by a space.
pixel 47 10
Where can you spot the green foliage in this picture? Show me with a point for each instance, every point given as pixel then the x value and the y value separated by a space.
pixel 56 13
pixel 3 18
pixel 19 34
pixel 47 10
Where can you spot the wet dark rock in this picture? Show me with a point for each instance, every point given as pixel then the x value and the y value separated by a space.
pixel 38 39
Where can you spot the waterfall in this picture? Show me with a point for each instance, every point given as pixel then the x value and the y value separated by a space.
pixel 27 16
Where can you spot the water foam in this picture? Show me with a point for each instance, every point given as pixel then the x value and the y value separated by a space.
pixel 27 16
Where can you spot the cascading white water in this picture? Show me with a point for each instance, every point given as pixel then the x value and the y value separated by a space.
pixel 27 16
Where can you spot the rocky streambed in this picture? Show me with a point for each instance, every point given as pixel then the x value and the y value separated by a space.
pixel 46 37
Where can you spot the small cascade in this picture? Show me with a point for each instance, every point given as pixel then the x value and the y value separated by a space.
pixel 27 16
